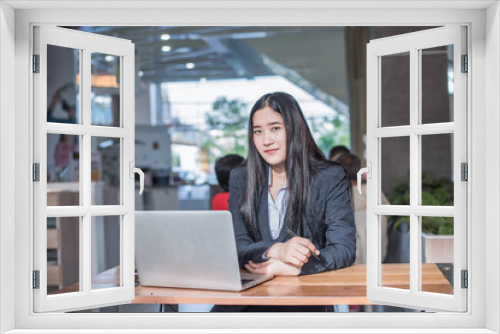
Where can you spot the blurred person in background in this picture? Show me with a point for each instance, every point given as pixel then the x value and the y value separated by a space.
pixel 337 151
pixel 223 168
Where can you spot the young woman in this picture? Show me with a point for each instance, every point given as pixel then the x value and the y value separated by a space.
pixel 291 207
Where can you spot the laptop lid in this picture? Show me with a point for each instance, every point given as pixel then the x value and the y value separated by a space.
pixel 187 249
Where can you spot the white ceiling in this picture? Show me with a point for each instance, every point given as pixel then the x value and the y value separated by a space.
pixel 311 57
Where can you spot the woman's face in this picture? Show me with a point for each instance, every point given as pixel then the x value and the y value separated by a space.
pixel 269 136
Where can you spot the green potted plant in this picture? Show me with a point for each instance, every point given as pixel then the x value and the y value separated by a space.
pixel 437 232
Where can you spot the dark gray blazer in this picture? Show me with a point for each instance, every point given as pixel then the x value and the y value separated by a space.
pixel 329 214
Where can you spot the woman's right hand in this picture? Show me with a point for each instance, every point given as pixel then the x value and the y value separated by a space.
pixel 295 251
pixel 273 267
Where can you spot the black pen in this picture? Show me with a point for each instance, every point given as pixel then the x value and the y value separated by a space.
pixel 292 234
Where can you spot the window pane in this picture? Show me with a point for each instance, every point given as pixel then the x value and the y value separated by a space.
pixel 63 75
pixel 395 89
pixel 437 254
pixel 63 157
pixel 105 92
pixel 437 84
pixel 437 170
pixel 105 171
pixel 106 247
pixel 396 267
pixel 63 170
pixel 63 255
pixel 395 165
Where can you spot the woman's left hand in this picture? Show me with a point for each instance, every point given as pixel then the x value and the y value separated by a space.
pixel 273 266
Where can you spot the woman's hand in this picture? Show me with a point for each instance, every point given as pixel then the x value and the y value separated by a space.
pixel 295 251
pixel 273 267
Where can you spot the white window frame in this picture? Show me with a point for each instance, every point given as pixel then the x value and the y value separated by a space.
pixel 414 43
pixel 85 43
pixel 483 100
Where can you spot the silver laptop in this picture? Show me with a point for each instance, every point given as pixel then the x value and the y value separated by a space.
pixel 189 249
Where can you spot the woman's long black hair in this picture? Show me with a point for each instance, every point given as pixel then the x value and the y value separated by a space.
pixel 303 160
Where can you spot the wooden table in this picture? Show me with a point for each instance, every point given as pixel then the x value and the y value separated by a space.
pixel 344 286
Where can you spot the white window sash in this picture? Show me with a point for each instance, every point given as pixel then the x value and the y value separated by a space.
pixel 412 43
pixel 86 298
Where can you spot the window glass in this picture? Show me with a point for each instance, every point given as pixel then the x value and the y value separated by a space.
pixel 105 91
pixel 395 267
pixel 437 84
pixel 437 254
pixel 63 255
pixel 437 170
pixel 63 170
pixel 395 170
pixel 395 89
pixel 106 247
pixel 63 84
pixel 105 170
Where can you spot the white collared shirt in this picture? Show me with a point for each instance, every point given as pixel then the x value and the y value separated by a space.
pixel 276 208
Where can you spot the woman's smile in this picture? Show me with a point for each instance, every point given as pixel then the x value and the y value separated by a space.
pixel 271 152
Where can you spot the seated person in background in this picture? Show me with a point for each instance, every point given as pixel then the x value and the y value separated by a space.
pixel 223 168
pixel 353 165
pixel 338 151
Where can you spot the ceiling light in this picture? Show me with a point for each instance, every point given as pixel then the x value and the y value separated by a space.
pixel 166 48
pixel 106 143
pixel 165 37
pixel 189 66
pixel 253 34
pixel 109 58
pixel 140 73
pixel 183 49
